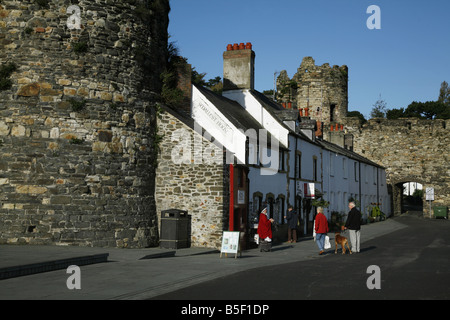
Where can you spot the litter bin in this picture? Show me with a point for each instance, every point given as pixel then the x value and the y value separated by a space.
pixel 440 212
pixel 175 229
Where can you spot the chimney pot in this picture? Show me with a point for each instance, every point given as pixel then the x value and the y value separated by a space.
pixel 241 46
pixel 248 45
pixel 229 47
pixel 235 46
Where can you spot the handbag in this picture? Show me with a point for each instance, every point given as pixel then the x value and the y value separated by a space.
pixel 327 244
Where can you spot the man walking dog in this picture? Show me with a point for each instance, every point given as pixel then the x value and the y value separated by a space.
pixel 353 224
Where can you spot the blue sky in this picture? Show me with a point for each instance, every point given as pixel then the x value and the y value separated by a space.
pixel 404 61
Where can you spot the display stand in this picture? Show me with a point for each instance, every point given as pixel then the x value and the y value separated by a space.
pixel 230 243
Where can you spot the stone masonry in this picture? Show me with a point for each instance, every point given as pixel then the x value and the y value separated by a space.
pixel 412 150
pixel 186 180
pixel 77 126
pixel 322 90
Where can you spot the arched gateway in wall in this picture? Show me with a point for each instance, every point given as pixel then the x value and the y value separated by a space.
pixel 411 150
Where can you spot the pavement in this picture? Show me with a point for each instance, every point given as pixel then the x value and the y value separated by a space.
pixel 41 272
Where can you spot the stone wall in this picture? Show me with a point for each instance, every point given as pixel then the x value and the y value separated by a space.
pixel 321 89
pixel 183 183
pixel 77 126
pixel 412 150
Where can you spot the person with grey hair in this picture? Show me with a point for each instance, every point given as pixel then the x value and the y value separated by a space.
pixel 353 224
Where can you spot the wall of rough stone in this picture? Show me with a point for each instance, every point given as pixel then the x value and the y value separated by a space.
pixel 316 88
pixel 183 183
pixel 412 150
pixel 77 126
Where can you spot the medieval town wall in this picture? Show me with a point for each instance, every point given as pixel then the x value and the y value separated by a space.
pixel 411 150
pixel 77 124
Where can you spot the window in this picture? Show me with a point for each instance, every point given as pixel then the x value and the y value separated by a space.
pixel 355 166
pixel 332 112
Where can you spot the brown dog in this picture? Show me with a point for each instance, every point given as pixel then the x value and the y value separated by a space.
pixel 338 239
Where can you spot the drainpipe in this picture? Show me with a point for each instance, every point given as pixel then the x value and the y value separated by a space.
pixel 378 190
pixel 360 195
pixel 231 219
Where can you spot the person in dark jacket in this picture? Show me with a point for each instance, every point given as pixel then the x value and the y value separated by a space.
pixel 292 220
pixel 353 224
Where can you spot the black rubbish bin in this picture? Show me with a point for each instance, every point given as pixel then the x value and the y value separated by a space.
pixel 175 229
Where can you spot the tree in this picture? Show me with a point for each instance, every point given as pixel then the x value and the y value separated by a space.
pixel 395 113
pixel 444 94
pixel 428 110
pixel 357 114
pixel 379 109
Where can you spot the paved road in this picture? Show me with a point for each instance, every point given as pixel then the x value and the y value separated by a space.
pixel 413 264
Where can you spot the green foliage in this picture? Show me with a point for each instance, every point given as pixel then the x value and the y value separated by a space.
pixel 357 114
pixel 379 109
pixel 6 71
pixel 444 94
pixel 428 110
pixel 395 113
pixel 439 109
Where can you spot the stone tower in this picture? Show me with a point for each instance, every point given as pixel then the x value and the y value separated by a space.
pixel 322 90
pixel 77 120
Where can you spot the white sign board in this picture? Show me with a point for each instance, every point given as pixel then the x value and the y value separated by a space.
pixel 241 196
pixel 309 190
pixel 230 242
pixel 429 194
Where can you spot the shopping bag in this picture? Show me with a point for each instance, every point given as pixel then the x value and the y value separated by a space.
pixel 327 244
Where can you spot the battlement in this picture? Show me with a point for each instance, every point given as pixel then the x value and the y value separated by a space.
pixel 323 90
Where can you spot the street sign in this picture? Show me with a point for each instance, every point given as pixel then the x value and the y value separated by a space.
pixel 429 194
pixel 309 190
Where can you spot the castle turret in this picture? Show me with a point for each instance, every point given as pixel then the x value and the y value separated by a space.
pixel 319 91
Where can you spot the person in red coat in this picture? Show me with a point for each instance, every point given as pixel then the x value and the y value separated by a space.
pixel 321 228
pixel 265 226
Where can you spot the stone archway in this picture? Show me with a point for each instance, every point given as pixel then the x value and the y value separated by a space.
pixel 409 149
pixel 403 203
